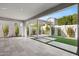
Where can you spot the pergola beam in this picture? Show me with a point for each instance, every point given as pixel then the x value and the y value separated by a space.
pixel 9 19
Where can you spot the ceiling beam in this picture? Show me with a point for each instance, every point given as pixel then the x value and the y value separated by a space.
pixel 9 19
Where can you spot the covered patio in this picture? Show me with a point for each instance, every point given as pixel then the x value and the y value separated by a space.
pixel 20 46
pixel 24 30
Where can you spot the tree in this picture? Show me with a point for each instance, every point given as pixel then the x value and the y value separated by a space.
pixel 75 17
pixel 27 30
pixel 59 32
pixel 5 29
pixel 67 20
pixel 16 29
pixel 70 32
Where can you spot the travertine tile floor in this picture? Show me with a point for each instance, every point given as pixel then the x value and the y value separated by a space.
pixel 21 46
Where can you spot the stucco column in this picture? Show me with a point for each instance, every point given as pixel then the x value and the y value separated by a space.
pixel 41 30
pixel 29 30
pixel 56 32
pixel 78 32
pixel 37 28
pixel 24 30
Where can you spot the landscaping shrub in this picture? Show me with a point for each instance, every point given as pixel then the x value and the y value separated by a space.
pixel 52 30
pixel 33 32
pixel 59 32
pixel 70 32
pixel 16 29
pixel 27 30
pixel 47 28
pixel 5 29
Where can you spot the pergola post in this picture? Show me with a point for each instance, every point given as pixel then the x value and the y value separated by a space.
pixel 78 32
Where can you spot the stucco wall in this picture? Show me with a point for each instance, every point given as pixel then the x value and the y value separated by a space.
pixel 65 27
pixel 11 27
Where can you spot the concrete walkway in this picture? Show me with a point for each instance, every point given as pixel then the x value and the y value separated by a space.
pixel 62 45
pixel 28 47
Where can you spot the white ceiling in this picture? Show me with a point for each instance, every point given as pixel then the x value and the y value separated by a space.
pixel 23 11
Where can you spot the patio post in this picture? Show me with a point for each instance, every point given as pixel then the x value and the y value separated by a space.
pixel 24 29
pixel 78 32
pixel 37 28
pixel 50 30
pixel 29 30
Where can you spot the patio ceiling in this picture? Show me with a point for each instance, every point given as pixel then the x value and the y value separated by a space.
pixel 23 11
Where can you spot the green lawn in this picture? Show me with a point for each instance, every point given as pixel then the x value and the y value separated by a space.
pixel 66 41
pixel 61 39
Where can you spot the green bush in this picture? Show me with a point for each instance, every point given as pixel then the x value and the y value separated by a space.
pixel 70 32
pixel 33 32
pixel 47 28
pixel 16 29
pixel 52 30
pixel 5 29
pixel 27 30
pixel 59 32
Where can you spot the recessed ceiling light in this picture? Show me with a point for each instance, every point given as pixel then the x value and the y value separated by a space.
pixel 3 8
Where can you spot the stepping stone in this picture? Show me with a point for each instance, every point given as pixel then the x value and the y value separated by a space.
pixel 43 40
pixel 49 38
pixel 64 46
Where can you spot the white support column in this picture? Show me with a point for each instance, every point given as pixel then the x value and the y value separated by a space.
pixel 56 32
pixel 41 30
pixel 37 28
pixel 76 32
pixel 29 30
pixel 50 30
pixel 24 30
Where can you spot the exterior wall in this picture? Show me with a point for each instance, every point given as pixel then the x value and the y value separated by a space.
pixel 11 27
pixel 40 22
pixel 64 29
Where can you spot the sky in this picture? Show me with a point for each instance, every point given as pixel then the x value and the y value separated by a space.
pixel 64 12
